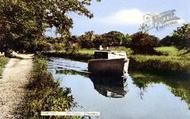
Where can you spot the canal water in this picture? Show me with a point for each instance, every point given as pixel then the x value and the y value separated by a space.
pixel 139 96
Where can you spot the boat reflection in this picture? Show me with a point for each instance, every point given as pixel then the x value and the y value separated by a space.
pixel 113 87
pixel 108 86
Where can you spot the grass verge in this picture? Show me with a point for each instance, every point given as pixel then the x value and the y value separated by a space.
pixel 160 63
pixel 45 94
pixel 3 61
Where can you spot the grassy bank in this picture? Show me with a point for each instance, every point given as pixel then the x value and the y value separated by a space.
pixel 45 94
pixel 3 61
pixel 80 56
pixel 161 63
pixel 171 59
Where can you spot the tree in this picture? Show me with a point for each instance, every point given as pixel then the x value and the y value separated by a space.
pixel 167 41
pixel 113 38
pixel 180 38
pixel 143 43
pixel 26 20
pixel 86 40
pixel 126 41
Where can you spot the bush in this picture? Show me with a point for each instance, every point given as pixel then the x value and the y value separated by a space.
pixel 59 47
pixel 143 43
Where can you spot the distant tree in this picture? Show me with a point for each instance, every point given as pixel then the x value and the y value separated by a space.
pixel 86 40
pixel 126 41
pixel 143 43
pixel 166 41
pixel 71 45
pixel 113 38
pixel 180 38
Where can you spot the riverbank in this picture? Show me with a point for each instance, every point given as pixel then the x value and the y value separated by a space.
pixel 160 63
pixel 12 85
pixel 45 94
pixel 175 62
pixel 73 56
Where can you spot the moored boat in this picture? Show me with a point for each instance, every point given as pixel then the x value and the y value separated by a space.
pixel 108 63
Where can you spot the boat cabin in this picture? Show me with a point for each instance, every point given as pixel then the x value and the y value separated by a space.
pixel 107 54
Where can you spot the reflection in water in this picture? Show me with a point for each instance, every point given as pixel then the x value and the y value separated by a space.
pixel 110 86
pixel 179 84
pixel 141 96
pixel 71 72
pixel 107 86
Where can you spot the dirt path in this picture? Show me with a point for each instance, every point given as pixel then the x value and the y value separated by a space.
pixel 12 85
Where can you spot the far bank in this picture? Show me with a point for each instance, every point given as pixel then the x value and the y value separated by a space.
pixel 177 62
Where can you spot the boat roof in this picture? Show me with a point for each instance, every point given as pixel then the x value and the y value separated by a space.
pixel 107 51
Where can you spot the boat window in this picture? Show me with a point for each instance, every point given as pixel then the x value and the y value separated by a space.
pixel 101 55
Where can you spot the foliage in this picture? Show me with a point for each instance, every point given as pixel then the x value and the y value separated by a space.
pixel 143 43
pixel 167 41
pixel 44 93
pixel 22 21
pixel 112 38
pixel 41 45
pixel 3 61
pixel 86 40
pixel 177 83
pixel 180 38
pixel 59 47
pixel 71 45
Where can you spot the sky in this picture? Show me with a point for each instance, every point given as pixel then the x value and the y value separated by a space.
pixel 126 16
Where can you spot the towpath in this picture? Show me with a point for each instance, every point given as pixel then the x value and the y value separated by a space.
pixel 13 85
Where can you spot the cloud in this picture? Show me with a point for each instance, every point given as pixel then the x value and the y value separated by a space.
pixel 123 17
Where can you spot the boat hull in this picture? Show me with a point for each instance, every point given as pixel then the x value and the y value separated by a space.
pixel 108 67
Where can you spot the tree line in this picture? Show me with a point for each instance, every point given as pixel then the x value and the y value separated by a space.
pixel 140 42
pixel 23 23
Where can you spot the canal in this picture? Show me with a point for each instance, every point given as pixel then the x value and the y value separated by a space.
pixel 139 96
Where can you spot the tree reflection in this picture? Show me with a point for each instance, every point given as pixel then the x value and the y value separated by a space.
pixel 178 83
